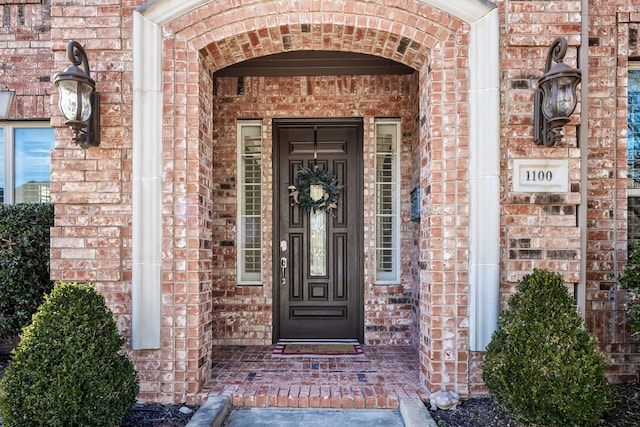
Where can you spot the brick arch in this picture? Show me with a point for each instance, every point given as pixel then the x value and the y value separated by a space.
pixel 227 34
pixel 169 25
pixel 396 40
pixel 218 54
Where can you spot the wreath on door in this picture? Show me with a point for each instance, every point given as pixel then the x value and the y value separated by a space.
pixel 315 190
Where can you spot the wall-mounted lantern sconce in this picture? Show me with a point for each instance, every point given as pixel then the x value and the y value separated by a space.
pixel 555 98
pixel 79 102
pixel 6 99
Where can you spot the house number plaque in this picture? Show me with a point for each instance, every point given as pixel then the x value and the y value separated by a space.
pixel 541 175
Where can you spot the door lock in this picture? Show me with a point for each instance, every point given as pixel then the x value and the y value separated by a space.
pixel 283 268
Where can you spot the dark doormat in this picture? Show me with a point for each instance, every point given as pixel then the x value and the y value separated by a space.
pixel 317 350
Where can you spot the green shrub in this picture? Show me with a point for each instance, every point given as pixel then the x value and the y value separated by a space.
pixel 541 365
pixel 68 370
pixel 24 263
pixel 630 280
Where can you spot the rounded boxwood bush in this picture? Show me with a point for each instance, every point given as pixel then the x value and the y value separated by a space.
pixel 541 365
pixel 68 369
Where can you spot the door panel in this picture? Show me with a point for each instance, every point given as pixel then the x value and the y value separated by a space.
pixel 319 293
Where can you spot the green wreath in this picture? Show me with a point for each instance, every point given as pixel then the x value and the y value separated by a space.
pixel 321 198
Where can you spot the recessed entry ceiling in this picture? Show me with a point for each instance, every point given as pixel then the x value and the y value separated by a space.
pixel 314 63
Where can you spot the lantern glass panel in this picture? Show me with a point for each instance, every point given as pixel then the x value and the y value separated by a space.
pixel 565 97
pixel 559 99
pixel 75 100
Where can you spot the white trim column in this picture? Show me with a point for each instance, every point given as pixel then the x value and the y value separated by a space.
pixel 484 180
pixel 146 209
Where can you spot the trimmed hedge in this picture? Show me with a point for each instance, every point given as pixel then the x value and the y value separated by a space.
pixel 67 370
pixel 24 263
pixel 541 365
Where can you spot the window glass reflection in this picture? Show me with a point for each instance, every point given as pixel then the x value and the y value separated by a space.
pixel 32 153
pixel 633 151
pixel 633 158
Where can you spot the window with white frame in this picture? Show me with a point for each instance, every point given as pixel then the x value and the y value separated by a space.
pixel 633 155
pixel 387 175
pixel 249 202
pixel 25 162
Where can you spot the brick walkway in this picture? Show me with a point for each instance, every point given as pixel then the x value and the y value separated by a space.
pixel 253 378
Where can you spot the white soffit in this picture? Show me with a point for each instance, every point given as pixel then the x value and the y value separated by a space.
pixel 467 10
pixel 162 12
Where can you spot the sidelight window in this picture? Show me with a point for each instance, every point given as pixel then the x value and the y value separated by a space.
pixel 250 202
pixel 633 155
pixel 387 175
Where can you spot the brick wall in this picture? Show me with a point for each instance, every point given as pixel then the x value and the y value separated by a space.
pixel 91 189
pixel 540 230
pixel 26 60
pixel 612 42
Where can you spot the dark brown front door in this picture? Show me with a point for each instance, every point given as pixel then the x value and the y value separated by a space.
pixel 318 257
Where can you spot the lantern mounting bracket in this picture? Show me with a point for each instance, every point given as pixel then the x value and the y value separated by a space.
pixel 555 98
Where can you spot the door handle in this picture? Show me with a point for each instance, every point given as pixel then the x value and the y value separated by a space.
pixel 283 269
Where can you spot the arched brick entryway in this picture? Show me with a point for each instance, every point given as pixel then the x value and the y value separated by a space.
pixel 178 45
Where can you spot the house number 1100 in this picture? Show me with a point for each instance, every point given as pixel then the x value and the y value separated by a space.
pixel 539 176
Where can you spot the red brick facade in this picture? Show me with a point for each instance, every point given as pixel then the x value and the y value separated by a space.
pixel 430 308
pixel 26 60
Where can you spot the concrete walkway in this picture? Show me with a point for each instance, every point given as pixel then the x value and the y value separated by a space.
pixel 217 412
pixel 276 417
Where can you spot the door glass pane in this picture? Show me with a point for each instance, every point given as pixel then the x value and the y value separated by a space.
pixel 32 152
pixel 318 243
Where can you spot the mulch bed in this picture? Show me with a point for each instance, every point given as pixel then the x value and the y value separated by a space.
pixel 157 416
pixel 486 413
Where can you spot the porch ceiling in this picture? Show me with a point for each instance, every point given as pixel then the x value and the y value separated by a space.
pixel 315 63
